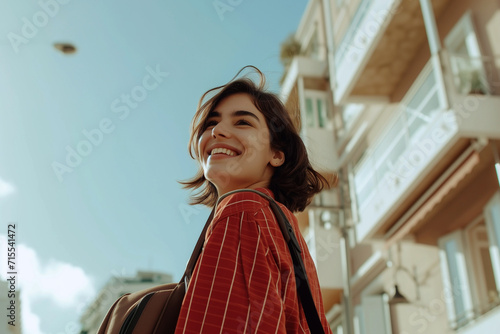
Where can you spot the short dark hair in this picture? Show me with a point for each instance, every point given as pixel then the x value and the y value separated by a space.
pixel 295 182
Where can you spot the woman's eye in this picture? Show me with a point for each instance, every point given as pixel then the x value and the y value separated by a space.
pixel 243 122
pixel 210 123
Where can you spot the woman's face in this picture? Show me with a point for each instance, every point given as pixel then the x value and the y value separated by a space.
pixel 234 149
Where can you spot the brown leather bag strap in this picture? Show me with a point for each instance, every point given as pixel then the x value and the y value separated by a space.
pixel 197 251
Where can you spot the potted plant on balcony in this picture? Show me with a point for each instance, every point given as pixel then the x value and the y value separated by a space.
pixel 289 49
pixel 472 81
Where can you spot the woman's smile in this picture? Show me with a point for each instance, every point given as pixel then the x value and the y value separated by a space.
pixel 221 151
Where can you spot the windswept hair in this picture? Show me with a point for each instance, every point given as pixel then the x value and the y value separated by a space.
pixel 295 182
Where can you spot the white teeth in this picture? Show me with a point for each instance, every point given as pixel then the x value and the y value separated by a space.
pixel 223 151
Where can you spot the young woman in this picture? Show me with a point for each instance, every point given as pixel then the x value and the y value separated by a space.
pixel 243 282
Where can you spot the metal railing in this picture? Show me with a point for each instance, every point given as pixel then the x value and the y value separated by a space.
pixel 418 110
pixel 475 75
pixel 347 40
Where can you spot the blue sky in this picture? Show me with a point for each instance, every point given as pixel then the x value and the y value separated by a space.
pixel 118 208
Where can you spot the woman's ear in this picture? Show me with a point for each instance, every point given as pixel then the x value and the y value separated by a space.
pixel 278 159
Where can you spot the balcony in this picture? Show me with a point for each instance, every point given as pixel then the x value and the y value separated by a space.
pixel 302 66
pixel 475 95
pixel 378 47
pixel 429 123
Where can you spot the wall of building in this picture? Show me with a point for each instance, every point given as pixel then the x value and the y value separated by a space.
pixel 420 282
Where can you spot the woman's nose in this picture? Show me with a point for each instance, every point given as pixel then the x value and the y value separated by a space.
pixel 220 130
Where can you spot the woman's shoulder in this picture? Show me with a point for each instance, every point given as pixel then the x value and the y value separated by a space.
pixel 245 200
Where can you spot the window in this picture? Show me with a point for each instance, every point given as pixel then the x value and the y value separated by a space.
pixel 455 279
pixel 317 110
pixel 470 266
pixel 309 113
pixel 482 269
pixel 372 315
pixel 321 113
pixel 492 218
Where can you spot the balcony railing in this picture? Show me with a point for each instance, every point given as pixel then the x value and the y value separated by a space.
pixel 475 75
pixel 366 24
pixel 346 43
pixel 382 163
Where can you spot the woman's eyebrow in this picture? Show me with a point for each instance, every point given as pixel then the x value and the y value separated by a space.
pixel 237 113
pixel 245 113
pixel 213 114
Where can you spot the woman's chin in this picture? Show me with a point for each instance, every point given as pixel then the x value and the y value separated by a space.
pixel 220 179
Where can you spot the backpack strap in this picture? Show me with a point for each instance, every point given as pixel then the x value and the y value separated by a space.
pixel 303 289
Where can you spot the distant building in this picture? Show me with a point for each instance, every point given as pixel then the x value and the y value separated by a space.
pixel 117 286
pixel 7 299
pixel 402 99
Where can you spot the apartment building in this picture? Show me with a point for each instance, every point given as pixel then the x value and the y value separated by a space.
pixel 401 98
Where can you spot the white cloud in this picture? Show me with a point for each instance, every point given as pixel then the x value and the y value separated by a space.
pixel 6 188
pixel 64 284
pixel 31 321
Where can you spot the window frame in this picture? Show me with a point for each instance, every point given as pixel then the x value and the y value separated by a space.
pixel 460 258
pixel 494 238
pixel 477 270
pixel 326 119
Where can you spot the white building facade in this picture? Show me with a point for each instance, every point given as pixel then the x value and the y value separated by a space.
pixel 402 100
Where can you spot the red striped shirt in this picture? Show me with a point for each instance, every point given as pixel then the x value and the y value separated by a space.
pixel 243 281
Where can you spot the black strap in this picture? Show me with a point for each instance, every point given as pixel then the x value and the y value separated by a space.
pixel 303 289
pixel 197 251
